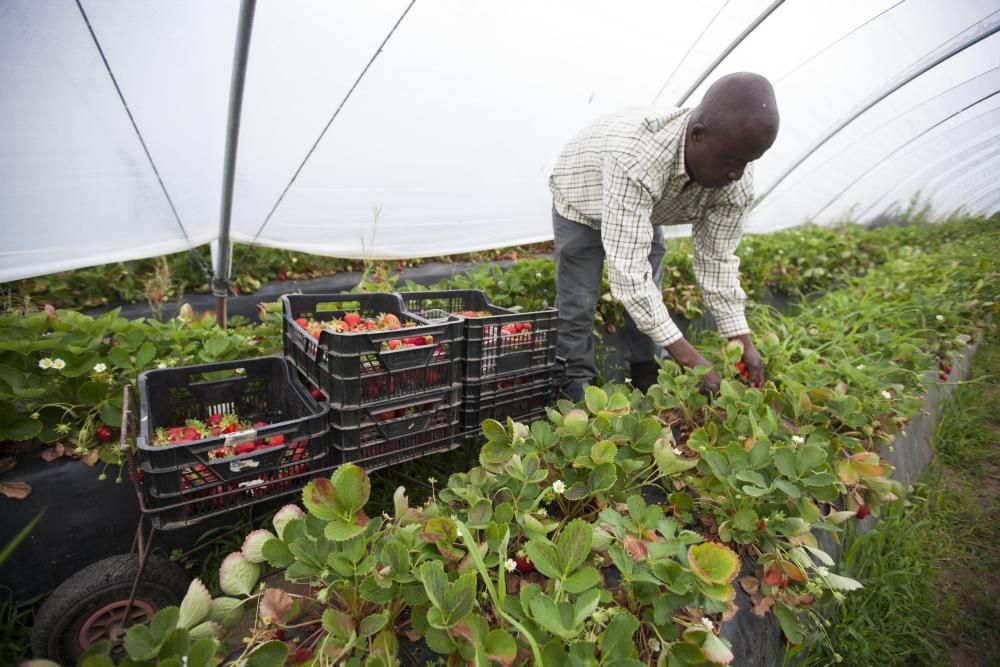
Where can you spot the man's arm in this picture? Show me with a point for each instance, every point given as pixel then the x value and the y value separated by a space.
pixel 627 234
pixel 716 236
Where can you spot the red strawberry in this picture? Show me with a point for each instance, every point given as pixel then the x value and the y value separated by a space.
pixel 863 512
pixel 525 326
pixel 352 320
pixel 232 428
pixel 387 415
pixel 245 448
pixel 216 430
pixel 214 420
pixel 105 434
pixel 508 330
pixel 389 321
pixel 394 344
pixel 302 322
pixel 317 394
pixel 281 275
pixel 317 333
pixel 524 565
pixel 191 433
pixel 761 525
pixel 276 440
pixel 742 368
pixel 774 577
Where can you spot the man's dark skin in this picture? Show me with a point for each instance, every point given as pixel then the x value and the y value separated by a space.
pixel 736 122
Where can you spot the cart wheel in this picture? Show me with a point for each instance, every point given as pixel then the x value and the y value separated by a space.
pixel 90 606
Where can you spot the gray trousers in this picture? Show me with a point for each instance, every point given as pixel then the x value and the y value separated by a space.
pixel 579 264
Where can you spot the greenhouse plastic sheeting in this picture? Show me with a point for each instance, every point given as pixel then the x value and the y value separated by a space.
pixel 446 143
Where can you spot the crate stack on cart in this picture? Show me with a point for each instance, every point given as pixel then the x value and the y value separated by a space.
pixel 394 390
pixel 374 379
pixel 509 357
pixel 215 437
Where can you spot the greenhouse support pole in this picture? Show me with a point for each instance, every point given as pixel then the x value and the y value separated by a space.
pixel 729 49
pixel 223 260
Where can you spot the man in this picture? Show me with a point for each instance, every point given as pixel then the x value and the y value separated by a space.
pixel 623 177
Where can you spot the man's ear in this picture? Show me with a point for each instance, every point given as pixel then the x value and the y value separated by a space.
pixel 699 132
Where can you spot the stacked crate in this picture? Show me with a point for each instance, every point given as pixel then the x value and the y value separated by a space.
pixel 187 482
pixel 387 405
pixel 509 357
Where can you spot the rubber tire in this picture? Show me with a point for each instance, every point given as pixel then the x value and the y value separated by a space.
pixel 163 584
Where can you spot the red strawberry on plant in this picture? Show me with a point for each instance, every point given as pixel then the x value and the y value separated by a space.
pixel 773 576
pixel 524 564
pixel 104 434
pixel 863 512
pixel 742 368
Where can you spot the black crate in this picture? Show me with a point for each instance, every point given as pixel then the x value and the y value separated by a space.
pixel 518 395
pixel 378 437
pixel 354 370
pixel 489 349
pixel 258 390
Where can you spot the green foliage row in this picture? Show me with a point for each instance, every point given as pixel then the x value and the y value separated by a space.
pixel 615 531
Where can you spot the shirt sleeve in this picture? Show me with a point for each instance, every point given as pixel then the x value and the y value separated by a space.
pixel 715 235
pixel 627 234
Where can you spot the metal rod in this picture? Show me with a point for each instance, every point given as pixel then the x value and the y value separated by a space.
pixel 901 81
pixel 220 283
pixel 729 49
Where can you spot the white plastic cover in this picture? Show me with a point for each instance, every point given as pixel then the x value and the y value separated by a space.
pixel 446 144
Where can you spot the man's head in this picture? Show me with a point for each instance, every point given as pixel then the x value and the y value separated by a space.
pixel 736 122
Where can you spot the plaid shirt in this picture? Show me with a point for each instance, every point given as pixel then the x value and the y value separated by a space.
pixel 625 173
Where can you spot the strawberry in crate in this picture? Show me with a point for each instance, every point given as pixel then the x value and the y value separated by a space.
pixel 216 425
pixel 516 335
pixel 471 314
pixel 352 323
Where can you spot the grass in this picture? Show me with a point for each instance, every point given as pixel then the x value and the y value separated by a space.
pixel 931 567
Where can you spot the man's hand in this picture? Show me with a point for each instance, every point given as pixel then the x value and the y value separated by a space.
pixel 684 353
pixel 752 361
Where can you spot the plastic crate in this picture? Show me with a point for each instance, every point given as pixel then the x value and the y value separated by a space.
pixel 352 369
pixel 520 396
pixel 378 437
pixel 258 390
pixel 489 350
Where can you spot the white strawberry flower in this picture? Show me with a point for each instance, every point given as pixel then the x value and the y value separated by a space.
pixel 100 368
pixel 939 318
pixel 58 364
pixel 45 363
pixel 162 364
pixel 654 645
pixel 798 439
pixel 707 622
pixel 559 487
pixel 822 571
pixel 510 565
pixel 678 452
pixel 886 395
pixel 860 367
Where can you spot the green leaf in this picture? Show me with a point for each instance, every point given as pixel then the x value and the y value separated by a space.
pixel 353 485
pixel 111 415
pixel 175 644
pixel 202 652
pixel 372 624
pixel 603 452
pixel 784 461
pixel 495 432
pixel 581 580
pixel 277 553
pixel 754 478
pixel 617 639
pixel 24 428
pixel 340 531
pixel 145 354
pixel 746 520
pixel 500 647
pixel 461 597
pixel 789 623
pixel 809 457
pixel 338 624
pixel 119 358
pixel 585 606
pixel 544 558
pixel 215 347
pixel 840 583
pixel 713 563
pixel 787 488
pixel 576 421
pixel 163 623
pixel 140 644
pixel 269 654
pixel 573 545
pixel 195 605
pixel 603 477
pixel 321 499
pixel 819 479
pixel 435 582
pixel 754 492
pixel 596 399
